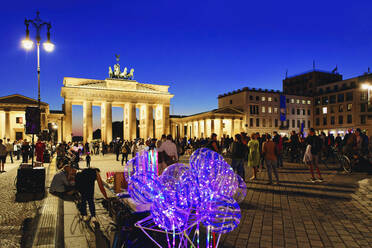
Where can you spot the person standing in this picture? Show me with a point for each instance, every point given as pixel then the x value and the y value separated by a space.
pixel 117 148
pixel 15 149
pixel 25 150
pixel 84 182
pixel 238 153
pixel 40 148
pixel 125 152
pixel 87 159
pixel 213 144
pixel 170 154
pixel 3 153
pixel 316 144
pixel 254 155
pixel 279 145
pixel 270 151
pixel 9 149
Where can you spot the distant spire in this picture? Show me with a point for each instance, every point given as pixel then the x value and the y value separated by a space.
pixel 369 70
pixel 286 74
pixel 314 65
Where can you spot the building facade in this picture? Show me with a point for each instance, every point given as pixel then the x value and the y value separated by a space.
pixel 261 110
pixel 343 105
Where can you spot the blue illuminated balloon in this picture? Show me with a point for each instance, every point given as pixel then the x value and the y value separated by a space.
pixel 144 187
pixel 241 191
pixel 167 214
pixel 221 214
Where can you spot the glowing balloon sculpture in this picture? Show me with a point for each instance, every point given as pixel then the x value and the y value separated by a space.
pixel 208 188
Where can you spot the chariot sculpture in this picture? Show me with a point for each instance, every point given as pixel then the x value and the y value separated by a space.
pixel 117 73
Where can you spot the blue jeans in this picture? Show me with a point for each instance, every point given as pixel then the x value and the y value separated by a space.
pixel 238 167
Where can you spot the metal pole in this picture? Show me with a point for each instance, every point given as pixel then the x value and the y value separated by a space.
pixel 38 74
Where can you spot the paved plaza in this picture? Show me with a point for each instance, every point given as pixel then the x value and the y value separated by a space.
pixel 297 213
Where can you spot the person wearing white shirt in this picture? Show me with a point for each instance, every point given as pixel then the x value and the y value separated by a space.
pixel 170 156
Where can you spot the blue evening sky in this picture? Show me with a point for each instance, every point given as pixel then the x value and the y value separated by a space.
pixel 199 48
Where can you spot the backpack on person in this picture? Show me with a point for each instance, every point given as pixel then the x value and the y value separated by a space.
pixel 124 150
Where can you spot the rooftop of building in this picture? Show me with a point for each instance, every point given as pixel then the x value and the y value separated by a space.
pixel 248 89
pixel 314 71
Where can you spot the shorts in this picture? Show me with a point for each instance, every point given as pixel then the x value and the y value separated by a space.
pixel 2 159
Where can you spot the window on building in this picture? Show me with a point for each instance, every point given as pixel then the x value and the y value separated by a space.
pixel 332 99
pixel 275 99
pixel 317 122
pixel 251 98
pixel 341 108
pixel 263 98
pixel 335 88
pixel 257 98
pixel 287 123
pixel 324 120
pixel 298 111
pixel 270 123
pixel 257 122
pixel 264 122
pixel 349 96
pixel 308 112
pixel 253 109
pixel 292 100
pixel 363 96
pixel 269 110
pixel 303 111
pixel 308 102
pixel 363 107
pixel 317 101
pixel 308 124
pixel 276 122
pixel 251 122
pixel 263 110
pixel 287 100
pixel 230 101
pixel 303 101
pixel 269 99
pixel 332 109
pixel 298 123
pixel 362 119
pixel 298 101
pixel 349 119
pixel 324 110
pixel 324 100
pixel 293 123
pixel 293 111
pixel 332 120
pixel 19 120
pixel 317 111
pixel 275 110
pixel 340 119
pixel 340 98
pixel 349 106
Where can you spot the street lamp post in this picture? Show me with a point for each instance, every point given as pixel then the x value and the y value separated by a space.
pixel 27 43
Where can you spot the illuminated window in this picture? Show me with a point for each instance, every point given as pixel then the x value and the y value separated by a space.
pixel 324 110
pixel 275 110
pixel 263 109
pixel 292 100
pixel 303 101
pixel 298 101
pixel 269 99
pixel 349 106
pixel 269 109
pixel 308 102
pixel 263 98
pixel 19 120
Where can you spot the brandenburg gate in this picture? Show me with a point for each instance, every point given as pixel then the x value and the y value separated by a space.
pixel 119 90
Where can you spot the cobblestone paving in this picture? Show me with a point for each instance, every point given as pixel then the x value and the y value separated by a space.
pixel 12 213
pixel 299 213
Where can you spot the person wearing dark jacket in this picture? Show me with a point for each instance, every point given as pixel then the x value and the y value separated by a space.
pixel 84 182
pixel 238 154
pixel 316 144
